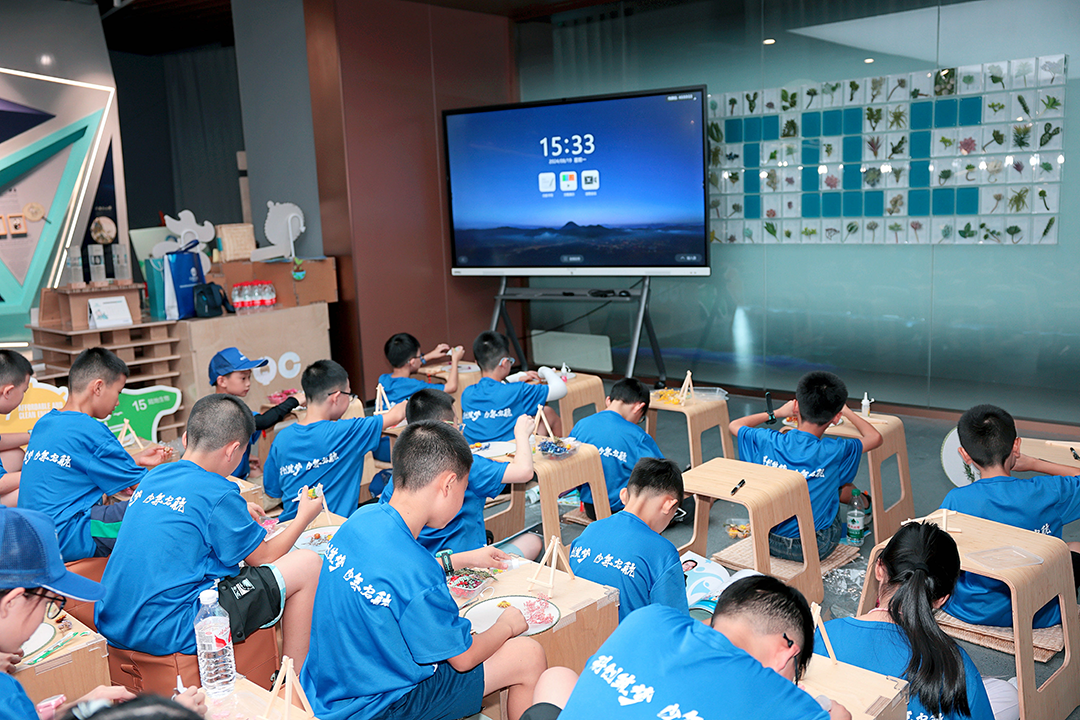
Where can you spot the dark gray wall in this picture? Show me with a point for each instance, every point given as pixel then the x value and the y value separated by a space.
pixel 271 59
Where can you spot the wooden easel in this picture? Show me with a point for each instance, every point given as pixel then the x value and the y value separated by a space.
pixel 128 429
pixel 287 676
pixel 382 403
pixel 687 389
pixel 554 553
pixel 541 416
pixel 815 610
pixel 943 524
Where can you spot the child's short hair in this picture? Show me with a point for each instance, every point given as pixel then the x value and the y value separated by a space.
pixel 323 378
pixel 217 420
pixel 987 433
pixel 14 368
pixel 96 363
pixel 772 608
pixel 426 449
pixel 630 391
pixel 489 348
pixel 429 404
pixel 400 349
pixel 656 475
pixel 821 396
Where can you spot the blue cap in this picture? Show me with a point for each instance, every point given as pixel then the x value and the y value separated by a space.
pixel 230 360
pixel 30 557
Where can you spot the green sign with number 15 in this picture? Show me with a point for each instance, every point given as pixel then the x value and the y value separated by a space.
pixel 144 408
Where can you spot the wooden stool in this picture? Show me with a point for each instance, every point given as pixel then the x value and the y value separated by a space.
pixel 256 658
pixel 1031 586
pixel 771 496
pixel 559 476
pixel 581 390
pixel 91 569
pixel 886 520
pixel 511 519
pixel 701 415
pixel 1055 451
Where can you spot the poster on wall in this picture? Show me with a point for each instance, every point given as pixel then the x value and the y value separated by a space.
pixel 964 155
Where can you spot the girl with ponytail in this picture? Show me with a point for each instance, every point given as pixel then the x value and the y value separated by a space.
pixel 916 572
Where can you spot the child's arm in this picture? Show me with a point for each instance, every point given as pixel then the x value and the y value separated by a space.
pixel 455 357
pixel 1026 463
pixel 306 510
pixel 440 351
pixel 521 469
pixel 871 438
pixel 394 415
pixel 10 441
pixel 510 624
pixel 270 418
pixel 152 456
pixel 556 385
pixel 785 411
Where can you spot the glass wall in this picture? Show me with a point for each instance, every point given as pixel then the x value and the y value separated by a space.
pixel 981 314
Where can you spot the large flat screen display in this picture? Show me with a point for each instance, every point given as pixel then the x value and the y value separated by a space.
pixel 611 185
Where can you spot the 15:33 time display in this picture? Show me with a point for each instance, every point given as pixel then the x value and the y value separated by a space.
pixel 573 145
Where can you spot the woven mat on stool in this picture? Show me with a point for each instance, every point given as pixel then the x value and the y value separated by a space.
pixel 578 517
pixel 740 556
pixel 1047 641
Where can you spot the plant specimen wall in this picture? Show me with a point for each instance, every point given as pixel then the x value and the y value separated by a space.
pixel 963 155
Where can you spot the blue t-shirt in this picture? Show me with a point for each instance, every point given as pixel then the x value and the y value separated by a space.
pixel 402 619
pixel 14 702
pixel 71 461
pixel 244 468
pixel 466 531
pixel 827 464
pixel 625 553
pixel 621 444
pixel 398 389
pixel 1043 504
pixel 661 663
pixel 184 529
pixel 882 647
pixel 489 409
pixel 330 452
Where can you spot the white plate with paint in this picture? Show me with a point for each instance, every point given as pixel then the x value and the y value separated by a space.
pixel 319 544
pixel 42 636
pixel 483 614
pixel 494 449
pixel 958 471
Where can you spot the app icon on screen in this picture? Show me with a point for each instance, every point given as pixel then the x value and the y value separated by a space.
pixel 568 181
pixel 590 179
pixel 547 182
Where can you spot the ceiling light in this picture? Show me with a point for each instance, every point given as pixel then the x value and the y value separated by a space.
pixel 768 41
pixel 868 60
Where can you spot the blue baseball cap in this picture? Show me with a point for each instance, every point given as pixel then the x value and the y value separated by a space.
pixel 230 360
pixel 30 557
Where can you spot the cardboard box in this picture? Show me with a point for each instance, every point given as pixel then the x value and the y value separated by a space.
pixel 237 241
pixel 867 695
pixel 317 283
pixel 74 670
pixel 66 307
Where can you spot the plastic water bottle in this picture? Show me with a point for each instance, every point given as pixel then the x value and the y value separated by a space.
pixel 856 518
pixel 213 636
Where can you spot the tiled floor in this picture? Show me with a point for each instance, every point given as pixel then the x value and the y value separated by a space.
pixel 842 588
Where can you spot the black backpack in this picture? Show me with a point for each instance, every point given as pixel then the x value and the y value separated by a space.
pixel 210 299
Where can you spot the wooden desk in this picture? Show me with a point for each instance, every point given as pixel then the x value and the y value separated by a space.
pixel 581 390
pixel 248 700
pixel 886 520
pixel 771 496
pixel 590 613
pixel 1055 451
pixel 558 476
pixel 442 372
pixel 867 695
pixel 1031 587
pixel 74 670
pixel 701 415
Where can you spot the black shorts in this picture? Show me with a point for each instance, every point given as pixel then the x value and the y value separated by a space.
pixel 542 711
pixel 254 599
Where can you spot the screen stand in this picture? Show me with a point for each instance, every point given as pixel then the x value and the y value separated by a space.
pixel 639 295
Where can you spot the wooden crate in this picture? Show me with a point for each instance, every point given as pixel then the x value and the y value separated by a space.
pixel 66 307
pixel 74 670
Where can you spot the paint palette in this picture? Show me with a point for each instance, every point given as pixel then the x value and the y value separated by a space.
pixel 316 539
pixel 483 614
pixel 42 636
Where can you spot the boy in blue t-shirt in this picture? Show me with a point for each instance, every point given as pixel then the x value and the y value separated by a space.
pixel 490 408
pixel 15 372
pixel 829 464
pixel 620 439
pixel 73 459
pixel 187 530
pixel 403 353
pixel 408 653
pixel 323 448
pixel 230 374
pixel 1042 504
pixel 662 663
pixel 626 551
pixel 487 478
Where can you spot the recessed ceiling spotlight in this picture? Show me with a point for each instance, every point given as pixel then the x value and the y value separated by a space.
pixel 768 41
pixel 868 60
